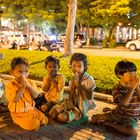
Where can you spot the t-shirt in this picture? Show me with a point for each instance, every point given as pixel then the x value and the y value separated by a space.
pixel 25 103
pixel 133 107
pixel 52 94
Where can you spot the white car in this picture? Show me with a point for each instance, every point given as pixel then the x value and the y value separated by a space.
pixel 133 45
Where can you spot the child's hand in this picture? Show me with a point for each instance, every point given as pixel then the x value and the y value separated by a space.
pixel 53 73
pixel 76 79
pixel 26 81
pixel 23 82
pixel 138 83
pixel 130 80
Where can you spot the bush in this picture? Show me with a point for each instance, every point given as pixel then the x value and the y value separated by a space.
pixel 100 67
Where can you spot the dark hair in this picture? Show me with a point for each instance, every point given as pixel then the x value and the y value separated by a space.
pixel 79 57
pixel 124 66
pixel 52 59
pixel 19 60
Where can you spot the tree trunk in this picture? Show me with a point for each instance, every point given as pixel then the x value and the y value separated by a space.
pixel 109 36
pixel 70 27
pixel 88 38
pixel 26 29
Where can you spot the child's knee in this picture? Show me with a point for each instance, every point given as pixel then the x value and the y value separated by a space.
pixel 31 125
pixel 63 117
pixel 44 108
pixel 53 113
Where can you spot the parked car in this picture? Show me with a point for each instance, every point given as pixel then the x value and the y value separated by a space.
pixel 133 45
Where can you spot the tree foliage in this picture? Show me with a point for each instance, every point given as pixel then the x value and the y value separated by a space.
pixel 108 14
pixel 134 14
pixel 49 11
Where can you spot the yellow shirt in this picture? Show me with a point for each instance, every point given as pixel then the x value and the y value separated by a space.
pixel 25 103
pixel 52 93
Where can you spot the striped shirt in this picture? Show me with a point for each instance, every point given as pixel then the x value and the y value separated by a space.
pixel 132 110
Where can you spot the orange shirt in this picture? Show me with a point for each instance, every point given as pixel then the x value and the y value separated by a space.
pixel 26 103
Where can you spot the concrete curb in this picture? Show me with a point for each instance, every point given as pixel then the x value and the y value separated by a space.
pixel 97 95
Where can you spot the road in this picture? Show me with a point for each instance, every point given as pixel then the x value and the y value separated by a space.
pixel 120 52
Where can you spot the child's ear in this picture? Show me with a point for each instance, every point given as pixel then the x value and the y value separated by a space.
pixel 11 72
pixel 45 67
pixel 119 75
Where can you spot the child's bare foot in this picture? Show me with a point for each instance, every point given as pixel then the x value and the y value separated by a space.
pixel 98 119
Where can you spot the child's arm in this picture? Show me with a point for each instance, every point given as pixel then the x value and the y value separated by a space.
pixel 126 99
pixel 131 83
pixel 46 84
pixel 86 93
pixel 21 91
pixel 34 93
pixel 138 89
pixel 19 94
pixel 59 85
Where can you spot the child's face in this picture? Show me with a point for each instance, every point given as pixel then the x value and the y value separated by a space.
pixel 77 67
pixel 128 76
pixel 19 71
pixel 52 67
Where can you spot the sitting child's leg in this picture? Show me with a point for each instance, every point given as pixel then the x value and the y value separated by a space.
pixel 63 117
pixel 100 118
pixel 30 120
pixel 56 110
pixel 40 100
pixel 129 127
pixel 69 116
pixel 46 107
pixel 53 113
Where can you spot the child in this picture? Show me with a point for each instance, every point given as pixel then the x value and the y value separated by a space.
pixel 127 97
pixel 53 85
pixel 20 93
pixel 80 90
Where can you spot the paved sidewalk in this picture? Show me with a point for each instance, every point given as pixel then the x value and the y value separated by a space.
pixel 79 130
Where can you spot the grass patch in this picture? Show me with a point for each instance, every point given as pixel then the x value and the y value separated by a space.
pixel 100 67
